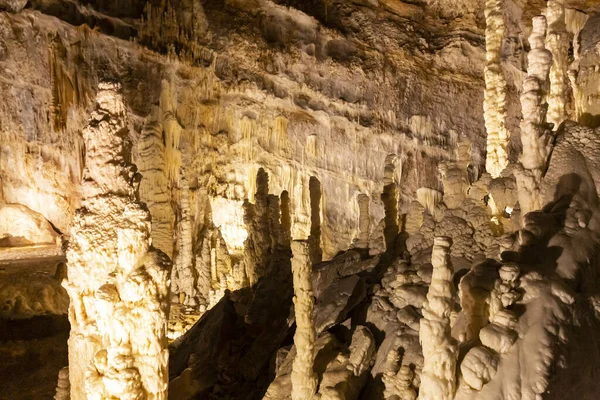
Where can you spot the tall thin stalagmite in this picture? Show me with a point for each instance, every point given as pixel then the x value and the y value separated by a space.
pixel 557 42
pixel 117 283
pixel 494 103
pixel 440 351
pixel 304 379
pixel 536 135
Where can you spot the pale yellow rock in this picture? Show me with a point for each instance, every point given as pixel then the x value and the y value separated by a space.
pixel 304 379
pixel 495 103
pixel 21 226
pixel 118 284
pixel 440 351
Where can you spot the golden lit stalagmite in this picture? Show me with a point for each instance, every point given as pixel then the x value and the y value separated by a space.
pixel 304 379
pixel 440 351
pixel 494 103
pixel 117 283
pixel 557 42
pixel 536 135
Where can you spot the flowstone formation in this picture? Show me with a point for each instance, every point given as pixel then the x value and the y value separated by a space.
pixel 118 284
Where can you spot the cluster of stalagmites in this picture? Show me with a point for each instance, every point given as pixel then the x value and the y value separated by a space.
pixel 463 297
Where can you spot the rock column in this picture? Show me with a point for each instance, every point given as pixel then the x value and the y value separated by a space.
pixel 557 42
pixel 117 283
pixel 535 133
pixel 440 351
pixel 304 379
pixel 494 103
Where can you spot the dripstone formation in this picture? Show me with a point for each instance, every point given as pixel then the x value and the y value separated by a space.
pixel 326 200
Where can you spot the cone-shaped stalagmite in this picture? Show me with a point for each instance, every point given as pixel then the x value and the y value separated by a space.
pixel 440 351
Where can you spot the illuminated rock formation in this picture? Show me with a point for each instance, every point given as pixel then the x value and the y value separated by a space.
pixel 494 104
pixel 455 177
pixel 118 284
pixel 364 223
pixel 536 135
pixel 21 226
pixel 183 276
pixel 398 384
pixel 440 352
pixel 63 387
pixel 304 379
pixel 557 42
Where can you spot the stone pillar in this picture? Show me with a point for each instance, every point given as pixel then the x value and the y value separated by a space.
pixel 183 277
pixel 494 103
pixel 117 283
pixel 535 133
pixel 440 351
pixel 304 379
pixel 557 42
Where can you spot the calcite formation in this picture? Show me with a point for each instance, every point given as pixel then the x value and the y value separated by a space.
pixel 494 105
pixel 363 200
pixel 440 351
pixel 557 42
pixel 118 284
pixel 536 134
pixel 304 379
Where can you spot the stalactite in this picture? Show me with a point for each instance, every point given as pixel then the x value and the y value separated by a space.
pixel 155 190
pixel 535 133
pixel 440 351
pixel 203 268
pixel 557 42
pixel 183 277
pixel 304 379
pixel 364 222
pixel 314 240
pixel 494 103
pixel 455 176
pixel 286 220
pixel 575 20
pixel 117 283
pixel 274 215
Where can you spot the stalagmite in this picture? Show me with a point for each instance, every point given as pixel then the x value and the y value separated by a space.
pixel 455 176
pixel 117 283
pixel 304 379
pixel 440 352
pixel 398 379
pixel 183 279
pixel 557 42
pixel 203 269
pixel 258 245
pixel 63 387
pixel 494 103
pixel 536 135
